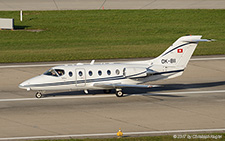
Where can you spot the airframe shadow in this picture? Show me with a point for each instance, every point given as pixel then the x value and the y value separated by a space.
pixel 144 91
pixel 19 27
pixel 172 87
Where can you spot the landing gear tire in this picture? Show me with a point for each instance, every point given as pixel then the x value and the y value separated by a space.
pixel 38 95
pixel 119 93
pixel 107 91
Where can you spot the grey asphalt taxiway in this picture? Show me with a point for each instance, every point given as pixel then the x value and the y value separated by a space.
pixel 15 5
pixel 193 102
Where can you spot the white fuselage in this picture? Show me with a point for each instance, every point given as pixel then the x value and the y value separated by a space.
pixel 84 76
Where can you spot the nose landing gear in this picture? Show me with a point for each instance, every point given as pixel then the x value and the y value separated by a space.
pixel 119 93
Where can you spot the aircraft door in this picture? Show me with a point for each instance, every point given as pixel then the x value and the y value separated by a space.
pixel 80 77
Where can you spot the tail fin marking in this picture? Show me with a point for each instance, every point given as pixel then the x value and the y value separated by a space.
pixel 180 52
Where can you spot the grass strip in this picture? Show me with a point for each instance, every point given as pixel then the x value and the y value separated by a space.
pixel 106 34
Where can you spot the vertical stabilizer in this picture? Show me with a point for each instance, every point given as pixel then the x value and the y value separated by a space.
pixel 179 54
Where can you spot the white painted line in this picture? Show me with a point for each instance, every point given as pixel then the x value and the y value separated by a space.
pixel 114 134
pixel 104 96
pixel 194 92
pixel 203 59
pixel 59 136
pixel 29 66
pixel 18 99
pixel 175 131
pixel 50 65
pixel 55 98
pixel 221 100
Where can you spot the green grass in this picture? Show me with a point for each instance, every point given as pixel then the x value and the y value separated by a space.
pixel 106 34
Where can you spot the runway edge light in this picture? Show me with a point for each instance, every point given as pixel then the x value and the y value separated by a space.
pixel 119 133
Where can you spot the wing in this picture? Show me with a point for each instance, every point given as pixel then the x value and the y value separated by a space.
pixel 117 85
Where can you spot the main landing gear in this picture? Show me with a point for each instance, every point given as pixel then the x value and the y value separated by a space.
pixel 38 95
pixel 119 92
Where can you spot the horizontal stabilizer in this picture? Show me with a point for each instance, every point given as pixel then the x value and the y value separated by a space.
pixel 200 40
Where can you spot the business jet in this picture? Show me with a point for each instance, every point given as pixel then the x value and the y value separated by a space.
pixel 108 76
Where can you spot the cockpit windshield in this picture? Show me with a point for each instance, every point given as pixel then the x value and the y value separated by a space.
pixel 55 72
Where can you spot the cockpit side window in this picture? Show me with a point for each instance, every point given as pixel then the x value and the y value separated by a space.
pixel 56 72
pixel 51 72
pixel 60 72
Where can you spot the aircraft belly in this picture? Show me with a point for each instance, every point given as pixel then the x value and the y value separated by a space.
pixel 50 88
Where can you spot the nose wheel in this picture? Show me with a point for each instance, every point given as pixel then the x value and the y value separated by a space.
pixel 119 93
pixel 38 95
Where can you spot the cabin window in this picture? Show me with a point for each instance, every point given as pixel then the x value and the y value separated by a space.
pixel 117 72
pixel 60 72
pixel 90 73
pixel 80 73
pixel 70 74
pixel 124 72
pixel 108 72
pixel 99 72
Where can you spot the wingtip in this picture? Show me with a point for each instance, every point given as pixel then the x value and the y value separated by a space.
pixel 211 40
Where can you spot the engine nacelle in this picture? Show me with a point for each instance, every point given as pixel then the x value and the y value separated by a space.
pixel 134 72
